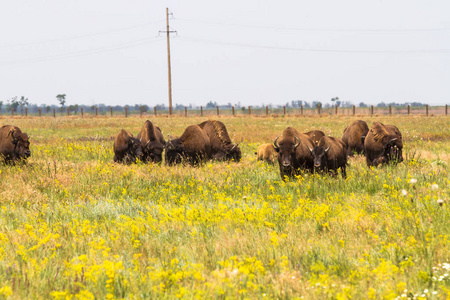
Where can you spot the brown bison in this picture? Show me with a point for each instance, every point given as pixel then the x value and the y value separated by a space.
pixel 329 155
pixel 315 136
pixel 293 153
pixel 221 146
pixel 354 136
pixel 14 144
pixel 152 142
pixel 383 144
pixel 266 152
pixel 193 146
pixel 127 148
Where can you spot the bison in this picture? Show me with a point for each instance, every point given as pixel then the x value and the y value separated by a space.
pixel 266 152
pixel 14 144
pixel 221 146
pixel 383 144
pixel 193 146
pixel 152 142
pixel 127 148
pixel 315 136
pixel 293 152
pixel 354 136
pixel 329 155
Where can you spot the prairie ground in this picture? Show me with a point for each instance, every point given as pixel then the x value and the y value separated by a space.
pixel 74 225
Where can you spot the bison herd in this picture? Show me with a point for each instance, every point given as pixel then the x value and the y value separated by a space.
pixel 296 152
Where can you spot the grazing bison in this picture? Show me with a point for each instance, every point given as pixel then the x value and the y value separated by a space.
pixel 330 154
pixel 315 136
pixel 127 148
pixel 221 146
pixel 354 136
pixel 293 153
pixel 193 146
pixel 152 142
pixel 14 144
pixel 383 144
pixel 266 152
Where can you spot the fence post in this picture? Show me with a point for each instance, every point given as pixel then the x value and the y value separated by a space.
pixel 185 111
pixel 426 108
pixel 354 110
pixel 390 110
pixel 232 110
pixel 409 109
pixel 335 109
pixel 54 113
pixel 371 110
pixel 301 110
pixel 446 109
pixel 40 113
pixel 68 112
pixel 96 111
pixel 12 112
pixel 201 111
pixel 26 111
pixel 111 111
pixel 154 108
pixel 249 110
pixel 267 111
pixel 140 111
pixel 318 108
pixel 126 112
pixel 82 112
pixel 284 110
pixel 217 110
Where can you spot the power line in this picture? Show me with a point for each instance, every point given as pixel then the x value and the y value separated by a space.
pixel 131 44
pixel 317 29
pixel 81 35
pixel 199 40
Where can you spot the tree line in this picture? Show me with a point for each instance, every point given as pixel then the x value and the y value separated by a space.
pixel 19 103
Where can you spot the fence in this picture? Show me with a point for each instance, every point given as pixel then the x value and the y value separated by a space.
pixel 251 111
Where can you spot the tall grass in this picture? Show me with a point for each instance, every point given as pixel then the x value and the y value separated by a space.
pixel 74 224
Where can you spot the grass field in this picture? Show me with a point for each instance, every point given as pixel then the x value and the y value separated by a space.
pixel 74 225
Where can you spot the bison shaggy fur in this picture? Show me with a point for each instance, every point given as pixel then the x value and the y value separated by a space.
pixel 127 148
pixel 383 145
pixel 329 155
pixel 221 146
pixel 266 152
pixel 152 142
pixel 354 136
pixel 14 144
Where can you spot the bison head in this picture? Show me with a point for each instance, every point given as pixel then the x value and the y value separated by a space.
pixel 174 152
pixel 153 150
pixel 320 156
pixel 393 149
pixel 134 148
pixel 21 143
pixel 234 153
pixel 286 152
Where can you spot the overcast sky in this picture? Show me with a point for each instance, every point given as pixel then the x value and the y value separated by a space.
pixel 248 52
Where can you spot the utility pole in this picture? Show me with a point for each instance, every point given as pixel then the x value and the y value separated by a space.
pixel 168 31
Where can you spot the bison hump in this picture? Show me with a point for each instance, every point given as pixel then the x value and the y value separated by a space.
pixel 379 131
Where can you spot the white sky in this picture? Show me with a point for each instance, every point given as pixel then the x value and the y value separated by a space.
pixel 249 52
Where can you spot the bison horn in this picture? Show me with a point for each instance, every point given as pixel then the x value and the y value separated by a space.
pixel 326 150
pixel 298 142
pixel 233 147
pixel 393 140
pixel 275 142
pixel 310 149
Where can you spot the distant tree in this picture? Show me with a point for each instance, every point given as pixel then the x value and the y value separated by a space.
pixel 22 103
pixel 12 104
pixel 211 104
pixel 1 104
pixel 93 107
pixel 362 104
pixel 48 108
pixel 62 99
pixel 74 108
pixel 381 104
pixel 144 108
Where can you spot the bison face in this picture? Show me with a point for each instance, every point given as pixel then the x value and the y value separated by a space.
pixel 234 154
pixel 21 144
pixel 286 152
pixel 135 148
pixel 319 155
pixel 174 153
pixel 393 151
pixel 154 151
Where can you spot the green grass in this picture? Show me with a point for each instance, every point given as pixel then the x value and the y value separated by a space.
pixel 74 224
